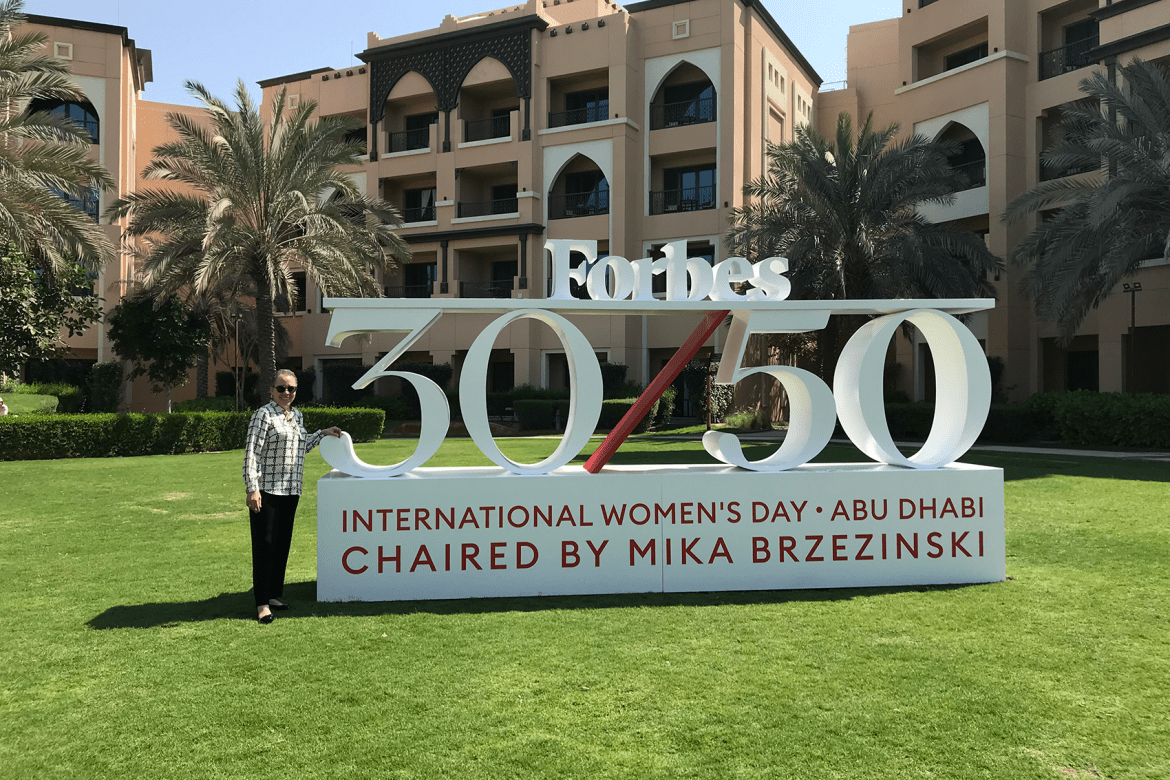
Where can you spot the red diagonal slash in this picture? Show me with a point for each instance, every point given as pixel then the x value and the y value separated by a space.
pixel 652 393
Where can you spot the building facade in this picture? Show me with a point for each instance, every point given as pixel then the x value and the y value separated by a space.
pixel 992 76
pixel 633 126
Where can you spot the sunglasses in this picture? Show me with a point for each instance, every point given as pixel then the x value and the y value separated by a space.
pixel 285 389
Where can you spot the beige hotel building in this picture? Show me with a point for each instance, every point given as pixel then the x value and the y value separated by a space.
pixel 638 125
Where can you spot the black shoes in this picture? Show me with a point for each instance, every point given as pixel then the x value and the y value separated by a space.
pixel 276 605
pixel 266 618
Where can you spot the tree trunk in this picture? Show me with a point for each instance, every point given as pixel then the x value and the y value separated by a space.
pixel 265 335
pixel 201 372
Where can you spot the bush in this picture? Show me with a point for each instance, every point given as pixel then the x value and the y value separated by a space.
pixel 361 424
pixel 306 381
pixel 1092 419
pixel 337 384
pixel 540 414
pixel 440 374
pixel 613 379
pixel 218 404
pixel 665 407
pixel 756 419
pixel 37 437
pixel 392 408
pixel 694 378
pixel 614 409
pixel 105 387
pixel 528 393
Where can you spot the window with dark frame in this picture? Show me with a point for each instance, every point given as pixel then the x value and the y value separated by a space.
pixel 965 57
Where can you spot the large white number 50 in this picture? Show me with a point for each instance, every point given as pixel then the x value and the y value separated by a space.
pixel 811 410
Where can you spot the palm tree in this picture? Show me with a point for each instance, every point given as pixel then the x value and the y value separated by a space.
pixel 260 202
pixel 45 168
pixel 844 213
pixel 1110 222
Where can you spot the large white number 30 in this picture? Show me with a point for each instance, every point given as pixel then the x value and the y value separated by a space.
pixel 584 394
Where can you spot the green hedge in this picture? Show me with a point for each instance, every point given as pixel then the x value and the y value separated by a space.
pixel 1006 424
pixel 541 414
pixel 66 398
pixel 1091 419
pixel 37 437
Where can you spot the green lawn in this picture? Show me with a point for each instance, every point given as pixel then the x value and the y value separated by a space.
pixel 130 649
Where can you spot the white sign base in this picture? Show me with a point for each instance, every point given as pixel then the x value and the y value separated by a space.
pixel 478 532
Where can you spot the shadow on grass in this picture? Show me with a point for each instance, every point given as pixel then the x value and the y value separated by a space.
pixel 302 596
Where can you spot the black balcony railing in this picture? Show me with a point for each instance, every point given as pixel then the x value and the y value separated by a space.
pixel 500 289
pixel 486 208
pixel 578 204
pixel 421 214
pixel 691 199
pixel 596 112
pixel 1048 174
pixel 408 291
pixel 410 140
pixel 975 172
pixel 483 129
pixel 1066 59
pixel 688 112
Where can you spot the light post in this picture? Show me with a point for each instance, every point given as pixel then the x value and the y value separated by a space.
pixel 1133 290
pixel 239 385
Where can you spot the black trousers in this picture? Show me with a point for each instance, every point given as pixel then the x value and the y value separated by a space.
pixel 272 529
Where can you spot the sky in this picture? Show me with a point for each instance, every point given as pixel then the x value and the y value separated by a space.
pixel 218 42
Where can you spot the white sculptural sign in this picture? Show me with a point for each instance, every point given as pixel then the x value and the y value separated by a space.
pixel 550 528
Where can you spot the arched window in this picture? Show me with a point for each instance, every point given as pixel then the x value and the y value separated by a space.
pixel 969 158
pixel 84 115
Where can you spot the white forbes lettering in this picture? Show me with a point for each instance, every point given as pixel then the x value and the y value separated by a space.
pixel 615 278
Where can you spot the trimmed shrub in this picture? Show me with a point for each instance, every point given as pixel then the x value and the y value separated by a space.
pixel 614 409
pixel 37 437
pixel 528 393
pixel 613 379
pixel 665 407
pixel 337 384
pixel 392 408
pixel 361 424
pixel 540 414
pixel 218 404
pixel 440 374
pixel 1092 419
pixel 105 387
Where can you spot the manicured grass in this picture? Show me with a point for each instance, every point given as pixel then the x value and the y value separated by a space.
pixel 130 649
pixel 22 403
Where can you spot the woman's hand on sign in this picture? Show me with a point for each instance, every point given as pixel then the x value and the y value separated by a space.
pixel 253 501
pixel 334 431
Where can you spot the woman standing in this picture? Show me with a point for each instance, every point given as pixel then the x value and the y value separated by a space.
pixel 274 462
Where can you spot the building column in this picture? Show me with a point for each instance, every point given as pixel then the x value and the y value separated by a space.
pixel 522 283
pixel 527 134
pixel 447 131
pixel 374 141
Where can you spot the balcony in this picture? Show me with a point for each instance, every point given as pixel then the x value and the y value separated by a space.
pixel 686 112
pixel 486 129
pixel 1066 59
pixel 596 112
pixel 494 289
pixel 420 214
pixel 975 172
pixel 690 199
pixel 409 140
pixel 407 291
pixel 1048 174
pixel 578 204
pixel 487 208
